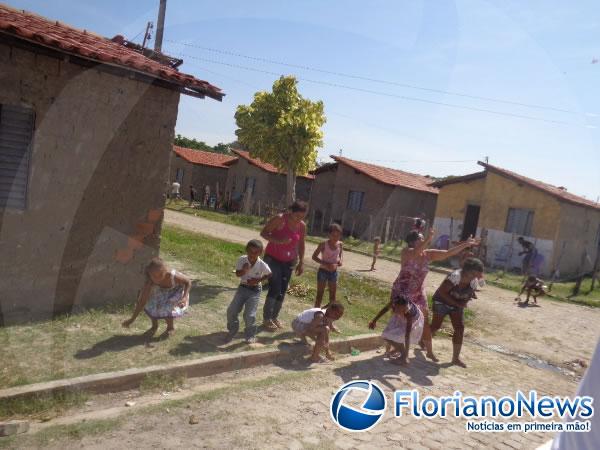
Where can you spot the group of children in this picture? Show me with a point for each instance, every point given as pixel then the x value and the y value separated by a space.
pixel 165 295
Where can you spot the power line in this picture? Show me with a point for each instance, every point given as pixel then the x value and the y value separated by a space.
pixel 386 94
pixel 380 81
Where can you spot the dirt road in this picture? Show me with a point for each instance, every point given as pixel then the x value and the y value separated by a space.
pixel 555 332
pixel 287 407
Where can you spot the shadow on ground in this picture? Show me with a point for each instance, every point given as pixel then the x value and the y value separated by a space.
pixel 117 343
pixel 201 292
pixel 419 371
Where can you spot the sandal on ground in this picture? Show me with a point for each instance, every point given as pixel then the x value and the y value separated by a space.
pixel 269 325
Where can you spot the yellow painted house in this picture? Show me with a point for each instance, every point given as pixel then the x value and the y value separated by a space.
pixel 500 206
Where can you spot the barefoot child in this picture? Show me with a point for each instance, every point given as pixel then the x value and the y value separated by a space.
pixel 252 272
pixel 405 327
pixel 376 251
pixel 316 323
pixel 451 299
pixel 534 287
pixel 329 255
pixel 165 295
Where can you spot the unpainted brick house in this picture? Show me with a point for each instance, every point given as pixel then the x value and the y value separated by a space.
pixel 369 200
pixel 255 186
pixel 501 206
pixel 199 169
pixel 86 130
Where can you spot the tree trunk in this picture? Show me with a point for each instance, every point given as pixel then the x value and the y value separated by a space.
pixel 291 186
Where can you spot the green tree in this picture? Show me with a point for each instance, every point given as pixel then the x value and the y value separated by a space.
pixel 186 142
pixel 221 148
pixel 283 128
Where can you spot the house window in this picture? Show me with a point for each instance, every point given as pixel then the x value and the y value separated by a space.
pixel 179 175
pixel 519 221
pixel 355 200
pixel 16 133
pixel 250 185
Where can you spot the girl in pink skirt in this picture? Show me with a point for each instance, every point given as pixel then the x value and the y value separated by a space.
pixel 405 327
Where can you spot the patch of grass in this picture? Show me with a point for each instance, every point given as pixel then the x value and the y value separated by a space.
pixel 561 291
pixel 94 341
pixel 242 220
pixel 390 250
pixel 161 382
pixel 61 433
pixel 40 406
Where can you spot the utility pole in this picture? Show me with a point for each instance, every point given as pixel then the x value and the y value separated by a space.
pixel 160 25
pixel 147 35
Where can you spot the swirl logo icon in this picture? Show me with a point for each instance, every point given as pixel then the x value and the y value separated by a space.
pixel 361 418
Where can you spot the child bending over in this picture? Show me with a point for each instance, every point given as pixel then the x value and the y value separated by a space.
pixel 165 295
pixel 316 323
pixel 405 327
pixel 534 287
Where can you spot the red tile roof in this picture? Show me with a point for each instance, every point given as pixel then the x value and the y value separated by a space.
pixel 557 192
pixel 263 165
pixel 204 158
pixel 57 36
pixel 393 177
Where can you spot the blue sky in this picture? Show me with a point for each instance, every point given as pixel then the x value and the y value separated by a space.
pixel 537 53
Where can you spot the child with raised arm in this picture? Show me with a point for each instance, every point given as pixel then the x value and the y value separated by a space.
pixel 329 255
pixel 534 287
pixel 451 299
pixel 316 323
pixel 376 251
pixel 252 271
pixel 165 295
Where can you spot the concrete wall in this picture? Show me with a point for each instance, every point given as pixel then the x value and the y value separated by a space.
pixel 496 194
pixel 502 193
pixel 380 202
pixel 199 175
pixel 177 162
pixel 579 234
pixel 321 200
pixel 98 173
pixel 270 188
pixel 453 198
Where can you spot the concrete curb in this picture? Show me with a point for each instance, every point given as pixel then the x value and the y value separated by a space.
pixel 131 378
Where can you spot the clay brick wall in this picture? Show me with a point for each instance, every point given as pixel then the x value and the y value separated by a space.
pixel 270 188
pixel 98 174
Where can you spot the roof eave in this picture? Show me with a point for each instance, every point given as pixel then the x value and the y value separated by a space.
pixel 412 188
pixel 539 188
pixel 149 77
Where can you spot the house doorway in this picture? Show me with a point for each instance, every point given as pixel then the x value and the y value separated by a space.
pixel 470 223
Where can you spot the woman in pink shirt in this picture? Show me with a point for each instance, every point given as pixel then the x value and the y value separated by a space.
pixel 285 235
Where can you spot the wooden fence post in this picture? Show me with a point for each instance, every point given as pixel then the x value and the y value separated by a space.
pixel 387 229
pixel 577 286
